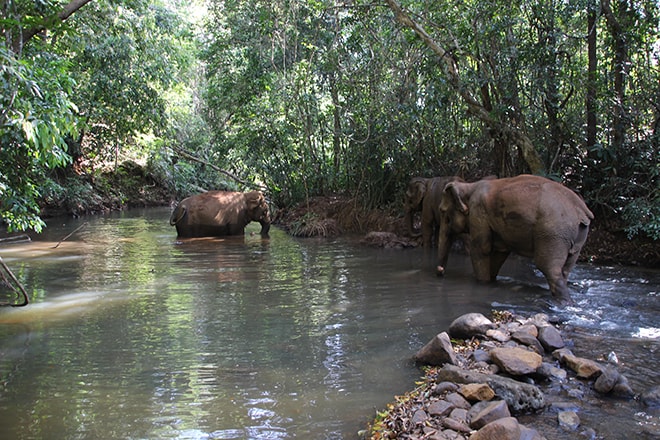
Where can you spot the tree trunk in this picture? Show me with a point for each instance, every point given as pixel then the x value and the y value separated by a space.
pixel 592 75
pixel 620 58
pixel 450 66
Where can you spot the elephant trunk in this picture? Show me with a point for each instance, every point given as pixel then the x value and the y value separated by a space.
pixel 444 245
pixel 265 227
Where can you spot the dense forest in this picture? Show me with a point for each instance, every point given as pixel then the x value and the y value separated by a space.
pixel 313 97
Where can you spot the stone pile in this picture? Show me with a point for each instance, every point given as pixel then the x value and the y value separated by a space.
pixel 482 373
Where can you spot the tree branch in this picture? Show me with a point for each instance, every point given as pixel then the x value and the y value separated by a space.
pixel 65 13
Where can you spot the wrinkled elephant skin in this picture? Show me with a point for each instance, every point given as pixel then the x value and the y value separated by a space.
pixel 220 213
pixel 424 194
pixel 529 215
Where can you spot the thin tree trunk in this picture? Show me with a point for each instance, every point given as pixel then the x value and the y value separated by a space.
pixel 592 74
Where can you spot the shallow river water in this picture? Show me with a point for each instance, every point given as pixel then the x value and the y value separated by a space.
pixel 133 334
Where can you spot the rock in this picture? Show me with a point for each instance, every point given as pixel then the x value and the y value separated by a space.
pixel 438 351
pixel 498 335
pixel 507 428
pixel 550 338
pixel 444 387
pixel 530 329
pixel 470 325
pixel 474 392
pixel 606 381
pixel 419 417
pixel 516 361
pixel 622 388
pixel 480 355
pixel 568 420
pixel 551 372
pixel 458 401
pixel 455 425
pixel 482 413
pixel 520 397
pixel 526 338
pixel 529 434
pixel 459 414
pixel 440 408
pixel 651 397
pixel 585 368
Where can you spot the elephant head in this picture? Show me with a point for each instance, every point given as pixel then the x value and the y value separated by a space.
pixel 453 218
pixel 413 202
pixel 257 210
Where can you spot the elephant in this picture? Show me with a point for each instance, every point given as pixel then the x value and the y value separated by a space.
pixel 529 215
pixel 423 194
pixel 220 213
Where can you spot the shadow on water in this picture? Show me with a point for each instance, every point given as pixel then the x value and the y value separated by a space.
pixel 135 334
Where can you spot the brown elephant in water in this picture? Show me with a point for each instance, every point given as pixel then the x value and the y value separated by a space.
pixel 220 213
pixel 529 215
pixel 423 194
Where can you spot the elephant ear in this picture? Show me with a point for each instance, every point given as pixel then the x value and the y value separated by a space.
pixel 452 194
pixel 416 192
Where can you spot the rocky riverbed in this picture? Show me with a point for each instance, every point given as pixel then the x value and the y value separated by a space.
pixel 482 374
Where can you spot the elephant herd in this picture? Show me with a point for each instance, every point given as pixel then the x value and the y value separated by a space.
pixel 528 215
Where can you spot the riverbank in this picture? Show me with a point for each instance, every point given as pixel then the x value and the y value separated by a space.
pixel 489 379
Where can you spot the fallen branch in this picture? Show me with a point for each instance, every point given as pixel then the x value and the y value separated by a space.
pixel 74 231
pixel 17 283
pixel 194 158
pixel 15 239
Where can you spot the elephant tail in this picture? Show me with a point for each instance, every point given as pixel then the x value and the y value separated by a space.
pixel 177 215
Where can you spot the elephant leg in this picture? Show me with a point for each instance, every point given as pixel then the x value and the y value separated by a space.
pixel 481 265
pixel 497 259
pixel 556 271
pixel 427 234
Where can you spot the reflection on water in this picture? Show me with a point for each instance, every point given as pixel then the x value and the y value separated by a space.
pixel 133 334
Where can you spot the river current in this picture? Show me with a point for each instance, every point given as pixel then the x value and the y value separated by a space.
pixel 133 334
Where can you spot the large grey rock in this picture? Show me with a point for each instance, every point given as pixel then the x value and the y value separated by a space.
pixel 550 338
pixel 520 397
pixel 651 397
pixel 470 325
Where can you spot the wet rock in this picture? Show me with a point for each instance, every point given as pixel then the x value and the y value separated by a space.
pixel 587 434
pixel 520 397
pixel 568 420
pixel 550 338
pixel 507 428
pixel 474 392
pixel 482 413
pixel 529 434
pixel 622 388
pixel 438 351
pixel 516 361
pixel 584 368
pixel 651 397
pixel 606 381
pixel 470 325
pixel 551 372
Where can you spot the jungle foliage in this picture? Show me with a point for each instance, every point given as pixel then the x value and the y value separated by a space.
pixel 317 97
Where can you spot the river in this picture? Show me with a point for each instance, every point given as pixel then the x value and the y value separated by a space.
pixel 133 334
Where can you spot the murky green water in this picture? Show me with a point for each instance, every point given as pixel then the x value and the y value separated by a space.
pixel 135 335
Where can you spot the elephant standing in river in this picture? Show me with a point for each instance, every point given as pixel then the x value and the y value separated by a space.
pixel 529 215
pixel 423 194
pixel 220 213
